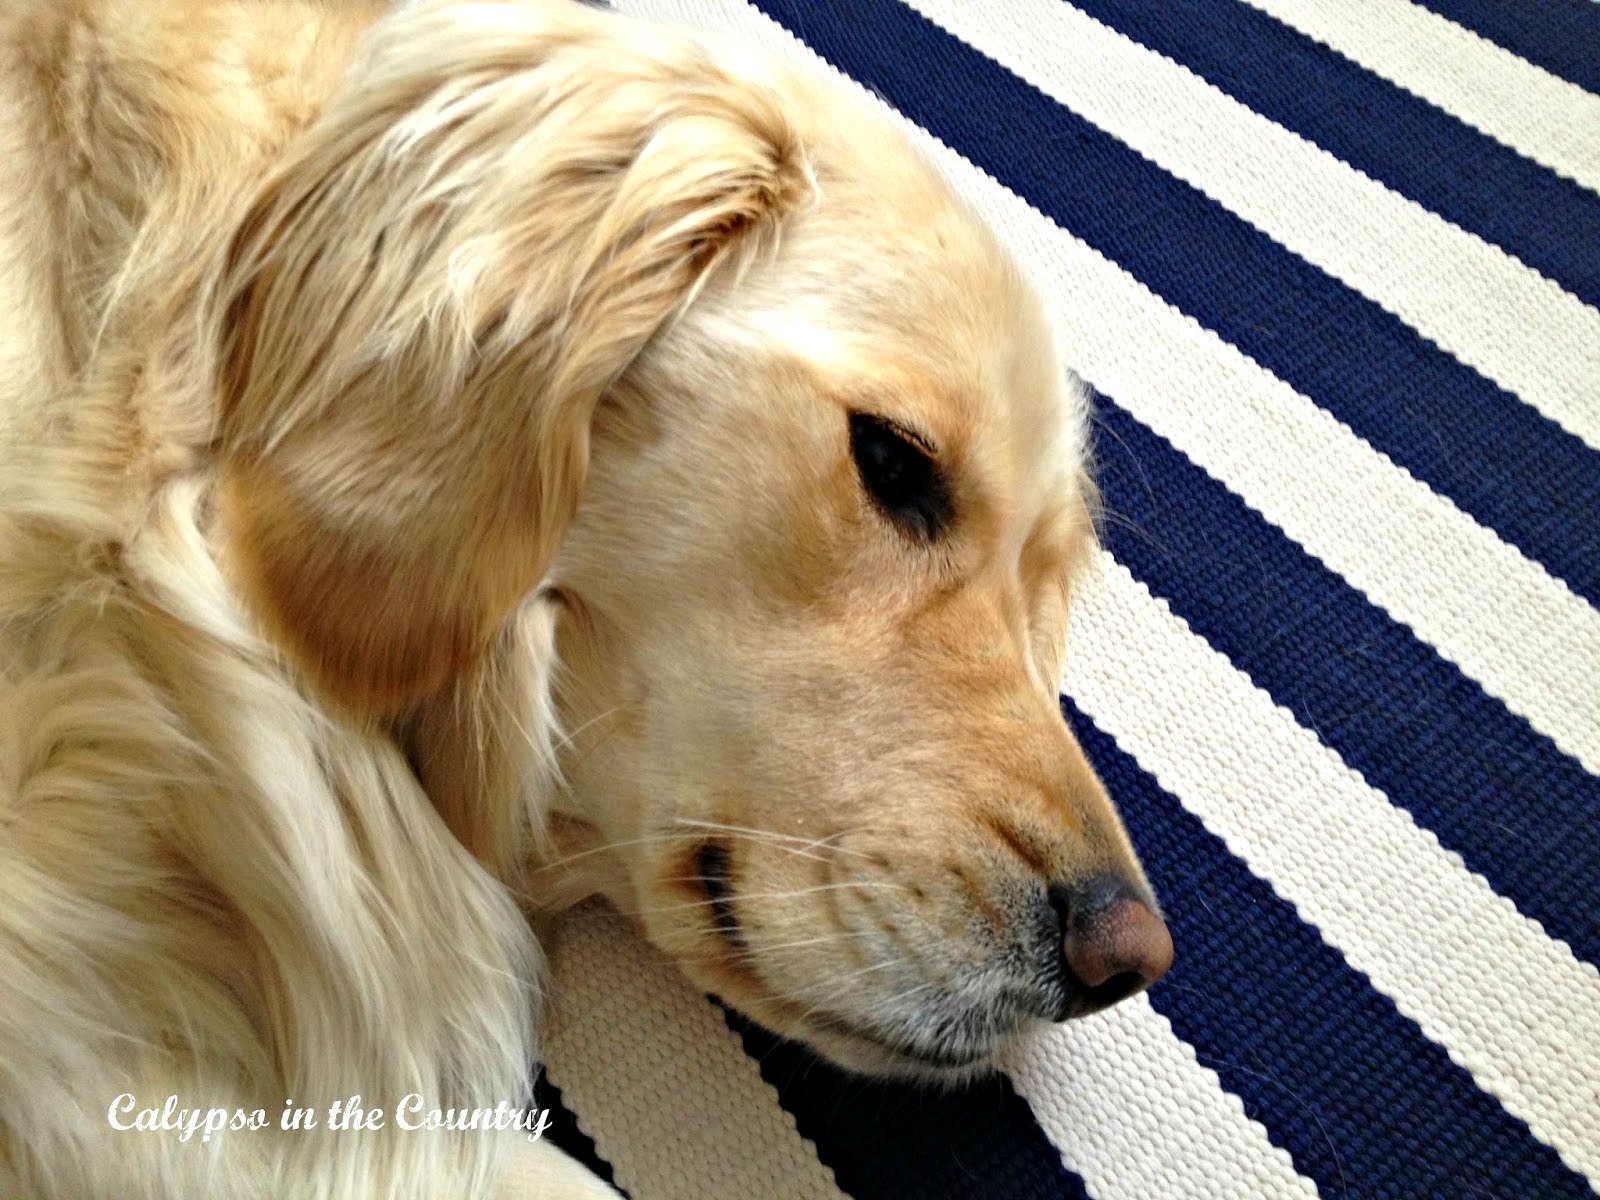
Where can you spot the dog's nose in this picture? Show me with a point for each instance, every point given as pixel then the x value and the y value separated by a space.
pixel 1113 943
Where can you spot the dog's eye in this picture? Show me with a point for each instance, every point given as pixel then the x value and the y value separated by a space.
pixel 900 475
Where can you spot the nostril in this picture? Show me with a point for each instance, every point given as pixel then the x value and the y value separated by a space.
pixel 1116 989
pixel 1113 943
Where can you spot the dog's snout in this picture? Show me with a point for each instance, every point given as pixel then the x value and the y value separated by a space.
pixel 1113 943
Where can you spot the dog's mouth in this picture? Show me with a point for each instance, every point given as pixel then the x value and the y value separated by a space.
pixel 714 865
pixel 862 1044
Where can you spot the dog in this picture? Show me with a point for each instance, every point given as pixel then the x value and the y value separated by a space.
pixel 462 459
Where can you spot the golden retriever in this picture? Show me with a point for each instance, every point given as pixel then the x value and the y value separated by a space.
pixel 459 460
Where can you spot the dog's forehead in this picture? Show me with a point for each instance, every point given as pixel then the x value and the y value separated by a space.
pixel 931 291
pixel 900 297
pixel 979 377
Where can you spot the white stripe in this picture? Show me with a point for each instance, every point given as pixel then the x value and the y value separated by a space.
pixel 1470 297
pixel 660 1082
pixel 1512 1006
pixel 1137 1116
pixel 1537 114
pixel 1499 616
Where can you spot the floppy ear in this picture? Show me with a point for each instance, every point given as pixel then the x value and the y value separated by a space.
pixel 420 312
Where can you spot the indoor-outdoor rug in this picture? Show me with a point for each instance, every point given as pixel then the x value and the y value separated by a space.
pixel 1333 269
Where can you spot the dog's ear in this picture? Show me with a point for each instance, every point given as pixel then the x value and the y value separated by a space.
pixel 419 313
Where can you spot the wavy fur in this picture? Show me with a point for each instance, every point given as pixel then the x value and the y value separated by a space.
pixel 392 391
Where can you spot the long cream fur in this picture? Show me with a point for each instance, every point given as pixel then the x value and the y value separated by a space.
pixel 212 884
pixel 386 392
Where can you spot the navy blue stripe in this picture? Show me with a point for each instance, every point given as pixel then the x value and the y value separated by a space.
pixel 1562 36
pixel 564 1132
pixel 1547 221
pixel 1408 720
pixel 1501 461
pixel 1365 1104
pixel 899 1141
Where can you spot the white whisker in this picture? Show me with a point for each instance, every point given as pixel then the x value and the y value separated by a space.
pixel 773 836
pixel 742 896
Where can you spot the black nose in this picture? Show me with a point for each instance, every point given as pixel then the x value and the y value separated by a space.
pixel 1113 943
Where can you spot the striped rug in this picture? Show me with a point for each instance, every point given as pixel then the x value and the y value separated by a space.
pixel 1333 267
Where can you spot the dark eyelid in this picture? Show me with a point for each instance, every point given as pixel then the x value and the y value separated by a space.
pixel 915 437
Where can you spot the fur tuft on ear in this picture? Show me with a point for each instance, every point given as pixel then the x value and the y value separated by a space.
pixel 421 309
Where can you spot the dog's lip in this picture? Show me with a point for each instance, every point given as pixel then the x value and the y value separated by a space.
pixel 714 863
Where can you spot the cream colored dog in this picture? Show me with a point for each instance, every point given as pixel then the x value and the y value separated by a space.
pixel 385 394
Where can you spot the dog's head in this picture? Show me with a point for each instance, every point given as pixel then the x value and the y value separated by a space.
pixel 704 359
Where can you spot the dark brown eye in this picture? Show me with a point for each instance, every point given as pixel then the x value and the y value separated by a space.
pixel 900 475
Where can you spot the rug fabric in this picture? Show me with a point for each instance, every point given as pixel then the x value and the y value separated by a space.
pixel 1333 270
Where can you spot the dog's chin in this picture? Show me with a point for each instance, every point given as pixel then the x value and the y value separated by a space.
pixel 864 1054
pixel 856 1045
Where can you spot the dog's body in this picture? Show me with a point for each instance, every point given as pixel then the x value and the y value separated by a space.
pixel 201 870
pixel 279 616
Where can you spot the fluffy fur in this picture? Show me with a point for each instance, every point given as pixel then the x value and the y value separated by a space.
pixel 386 392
